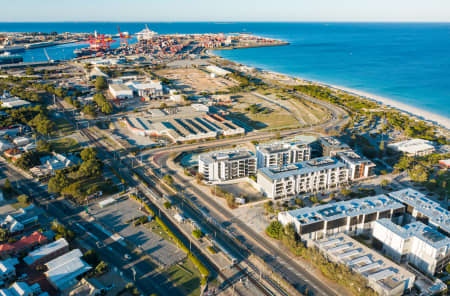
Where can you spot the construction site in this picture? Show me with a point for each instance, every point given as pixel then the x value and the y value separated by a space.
pixel 181 124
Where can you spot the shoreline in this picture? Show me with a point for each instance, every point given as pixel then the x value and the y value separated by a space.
pixel 427 116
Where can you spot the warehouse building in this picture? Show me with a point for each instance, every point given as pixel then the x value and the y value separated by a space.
pixel 281 154
pixel 353 216
pixel 219 166
pixel 308 176
pixel 182 123
pixel 63 271
pixel 421 208
pixel 413 147
pixel 148 89
pixel 416 243
pixel 47 252
pixel 382 275
pixel 120 91
pixel 358 166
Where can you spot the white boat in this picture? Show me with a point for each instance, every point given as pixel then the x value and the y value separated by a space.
pixel 145 34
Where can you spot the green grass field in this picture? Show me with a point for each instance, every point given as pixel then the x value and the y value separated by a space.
pixel 65 145
pixel 185 277
pixel 62 127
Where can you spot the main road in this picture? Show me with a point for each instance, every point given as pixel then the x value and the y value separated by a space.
pixel 282 263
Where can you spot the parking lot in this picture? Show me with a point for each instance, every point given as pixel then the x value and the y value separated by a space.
pixel 117 217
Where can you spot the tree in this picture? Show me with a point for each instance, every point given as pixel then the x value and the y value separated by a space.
pixel 4 234
pixel 88 153
pixel 91 257
pixel 23 199
pixel 43 146
pixel 168 179
pixel 101 267
pixel 7 187
pixel 275 230
pixel 167 204
pixel 90 168
pixel 100 83
pixel 29 71
pixel 384 183
pixel 58 182
pixel 28 160
pixel 89 110
pixel 197 233
pixel 107 108
pixel 42 124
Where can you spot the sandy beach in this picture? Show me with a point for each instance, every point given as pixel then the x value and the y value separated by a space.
pixel 410 110
pixel 422 114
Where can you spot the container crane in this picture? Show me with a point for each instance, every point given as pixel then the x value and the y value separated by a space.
pixel 123 38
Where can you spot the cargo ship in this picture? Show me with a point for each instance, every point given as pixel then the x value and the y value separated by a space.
pixel 8 58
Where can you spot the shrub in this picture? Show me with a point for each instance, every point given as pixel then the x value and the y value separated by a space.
pixel 197 233
pixel 275 230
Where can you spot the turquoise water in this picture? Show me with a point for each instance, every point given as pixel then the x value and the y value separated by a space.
pixel 409 63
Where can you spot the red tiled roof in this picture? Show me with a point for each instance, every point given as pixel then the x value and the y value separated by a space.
pixel 35 237
pixel 5 247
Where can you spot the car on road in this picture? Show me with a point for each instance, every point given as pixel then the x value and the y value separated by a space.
pixel 100 244
pixel 127 257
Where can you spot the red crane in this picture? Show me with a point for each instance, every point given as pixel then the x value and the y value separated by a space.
pixel 123 38
pixel 99 42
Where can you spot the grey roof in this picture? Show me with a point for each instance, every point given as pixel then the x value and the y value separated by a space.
pixel 46 250
pixel 304 167
pixel 386 274
pixel 342 209
pixel 423 232
pixel 332 142
pixel 427 207
pixel 228 155
pixel 279 147
pixel 351 156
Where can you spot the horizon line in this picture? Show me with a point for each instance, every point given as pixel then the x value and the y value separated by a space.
pixel 230 22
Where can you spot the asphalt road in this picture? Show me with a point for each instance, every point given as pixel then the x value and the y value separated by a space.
pixel 113 252
pixel 282 263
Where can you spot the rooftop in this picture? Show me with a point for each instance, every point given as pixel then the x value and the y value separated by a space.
pixel 316 164
pixel 332 142
pixel 342 209
pixel 278 147
pixel 412 146
pixel 229 155
pixel 377 269
pixel 351 156
pixel 417 229
pixel 119 87
pixel 436 214
pixel 45 251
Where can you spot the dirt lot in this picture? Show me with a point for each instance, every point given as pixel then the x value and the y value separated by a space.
pixel 243 188
pixel 195 80
pixel 275 118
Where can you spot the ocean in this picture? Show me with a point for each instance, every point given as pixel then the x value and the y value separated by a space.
pixel 405 62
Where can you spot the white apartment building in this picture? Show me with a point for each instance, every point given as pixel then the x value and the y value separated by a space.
pixel 219 166
pixel 416 243
pixel 281 154
pixel 353 216
pixel 308 176
pixel 421 208
pixel 413 147
pixel 358 166
pixel 383 276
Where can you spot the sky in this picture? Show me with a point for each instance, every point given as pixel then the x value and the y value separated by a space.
pixel 225 10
